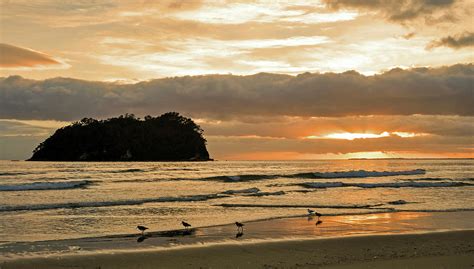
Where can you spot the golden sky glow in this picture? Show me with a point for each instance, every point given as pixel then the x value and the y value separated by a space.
pixel 352 136
pixel 130 40
pixel 350 79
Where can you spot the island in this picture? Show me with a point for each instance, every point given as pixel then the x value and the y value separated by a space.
pixel 169 137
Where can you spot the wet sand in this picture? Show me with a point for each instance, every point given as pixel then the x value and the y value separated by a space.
pixel 431 250
pixel 387 240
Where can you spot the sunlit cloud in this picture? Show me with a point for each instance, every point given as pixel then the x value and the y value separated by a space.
pixel 313 18
pixel 17 58
pixel 298 79
pixel 352 136
pixel 149 39
pixel 408 134
pixel 28 128
pixel 191 56
pixel 263 12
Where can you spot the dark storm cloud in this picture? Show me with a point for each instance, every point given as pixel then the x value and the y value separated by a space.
pixel 456 42
pixel 399 11
pixel 428 91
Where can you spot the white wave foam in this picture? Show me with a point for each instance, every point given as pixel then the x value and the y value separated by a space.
pixel 322 185
pixel 45 186
pixel 250 190
pixel 412 184
pixel 397 202
pixel 342 206
pixel 234 178
pixel 266 193
pixel 131 170
pixel 337 174
pixel 190 198
pixel 364 173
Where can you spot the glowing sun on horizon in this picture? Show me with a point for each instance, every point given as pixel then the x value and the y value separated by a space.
pixel 352 136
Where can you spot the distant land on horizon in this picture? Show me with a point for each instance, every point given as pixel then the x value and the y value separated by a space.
pixel 169 137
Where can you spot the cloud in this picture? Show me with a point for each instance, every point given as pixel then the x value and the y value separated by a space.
pixel 409 35
pixel 398 11
pixel 463 40
pixel 428 91
pixel 14 128
pixel 300 127
pixel 234 147
pixel 17 57
pixel 127 40
pixel 215 12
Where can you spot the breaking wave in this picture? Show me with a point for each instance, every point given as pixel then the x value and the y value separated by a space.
pixel 300 206
pixel 253 192
pixel 190 198
pixel 21 173
pixel 239 178
pixel 408 184
pixel 45 186
pixel 250 190
pixel 264 193
pixel 131 170
pixel 364 173
pixel 437 179
pixel 337 174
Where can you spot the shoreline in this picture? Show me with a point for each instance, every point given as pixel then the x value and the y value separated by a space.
pixel 258 237
pixel 290 218
pixel 426 250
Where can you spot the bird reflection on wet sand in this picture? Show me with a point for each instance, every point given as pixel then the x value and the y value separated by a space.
pixel 142 238
pixel 239 234
pixel 318 222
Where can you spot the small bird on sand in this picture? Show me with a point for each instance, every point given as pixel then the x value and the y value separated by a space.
pixel 240 226
pixel 185 224
pixel 314 213
pixel 142 228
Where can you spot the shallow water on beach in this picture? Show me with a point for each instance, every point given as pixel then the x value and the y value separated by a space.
pixel 53 200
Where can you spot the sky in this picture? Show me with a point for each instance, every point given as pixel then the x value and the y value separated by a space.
pixel 271 80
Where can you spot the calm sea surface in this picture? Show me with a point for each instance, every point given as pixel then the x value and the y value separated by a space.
pixel 53 200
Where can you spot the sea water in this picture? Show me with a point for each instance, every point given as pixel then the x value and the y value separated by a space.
pixel 63 200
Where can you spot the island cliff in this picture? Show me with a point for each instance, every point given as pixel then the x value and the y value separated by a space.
pixel 169 137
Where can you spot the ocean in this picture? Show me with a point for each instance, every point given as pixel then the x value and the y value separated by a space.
pixel 65 200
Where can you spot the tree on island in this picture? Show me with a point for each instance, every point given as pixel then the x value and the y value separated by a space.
pixel 169 137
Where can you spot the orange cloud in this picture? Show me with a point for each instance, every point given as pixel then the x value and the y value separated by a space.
pixel 18 57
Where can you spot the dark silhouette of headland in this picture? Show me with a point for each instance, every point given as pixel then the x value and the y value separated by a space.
pixel 169 137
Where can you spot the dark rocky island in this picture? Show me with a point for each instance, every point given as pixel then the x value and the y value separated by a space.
pixel 169 137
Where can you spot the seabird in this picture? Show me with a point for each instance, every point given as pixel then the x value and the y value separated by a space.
pixel 314 213
pixel 142 228
pixel 185 224
pixel 240 226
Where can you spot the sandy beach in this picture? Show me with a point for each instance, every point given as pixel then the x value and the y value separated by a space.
pixel 432 250
pixel 383 240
